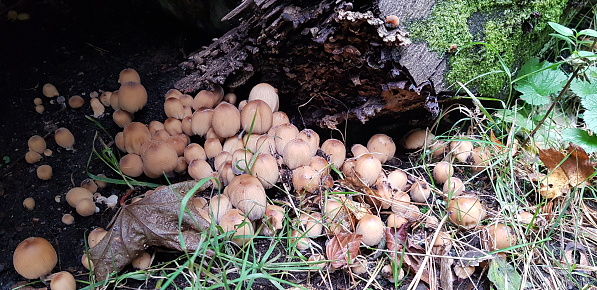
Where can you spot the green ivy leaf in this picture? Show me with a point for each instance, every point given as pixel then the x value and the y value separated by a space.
pixel 503 275
pixel 542 80
pixel 581 138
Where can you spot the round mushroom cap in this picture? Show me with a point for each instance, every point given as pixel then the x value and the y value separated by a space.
pixel 417 139
pixel 207 98
pixel 358 150
pixel 311 137
pixel 37 143
pixel 453 187
pixel 158 158
pixel 40 109
pixel 420 191
pixel 63 281
pixel 266 93
pixel 256 117
pixel 95 236
pixel 372 229
pixel 461 150
pixel 398 179
pixel 283 134
pixel 132 97
pixel 64 138
pixel 212 147
pixel 466 211
pixel 201 121
pixel 248 195
pixel 297 152
pixel 225 120
pixel 44 172
pixel 173 108
pixel 50 91
pixel 32 157
pixel 85 207
pixel 34 257
pixel 382 146
pixel 199 169
pixel 442 172
pixel 194 151
pixel 335 150
pixel 306 179
pixel 279 118
pixel 235 220
pixel 368 168
pixel 122 118
pixel 128 75
pixel 98 107
pixel 218 206
pixel 76 194
pixel 500 236
pixel 265 168
pixel 131 165
pixel 135 134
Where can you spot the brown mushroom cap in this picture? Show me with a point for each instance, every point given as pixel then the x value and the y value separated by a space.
pixel 382 146
pixel 194 151
pixel 499 236
pixel 44 172
pixel 265 168
pixel 311 137
pixel 135 134
pixel 218 206
pixel 34 257
pixel 442 172
pixel 372 229
pixel 89 184
pixel 76 102
pixel 95 236
pixel 335 150
pixel 241 160
pixel 368 168
pixel 201 121
pixel 122 118
pixel 177 143
pixel 312 224
pixel 32 157
pixel 266 93
pixel 398 179
pixel 256 117
pixel 395 221
pixel 275 216
pixel 173 93
pixel 155 126
pixel 221 158
pixel 37 143
pixel 225 120
pixel 466 211
pixel 132 97
pixel 119 141
pixel 50 91
pixel 173 126
pixel 250 142
pixel 115 100
pixel 64 138
pixel 29 203
pixel 235 220
pixel 105 98
pixel 68 219
pixel 143 261
pixel 158 158
pixel 63 281
pixel 131 165
pixel 420 191
pixel 230 98
pixel 128 75
pixel 76 194
pixel 283 134
pixel 417 139
pixel 98 107
pixel 38 101
pixel 461 149
pixel 248 195
pixel 199 169
pixel 212 147
pixel 305 178
pixel 358 150
pixel 173 108
pixel 266 144
pixel 232 144
pixel 279 118
pixel 208 99
pixel 40 109
pixel 85 207
pixel 297 152
pixel 453 187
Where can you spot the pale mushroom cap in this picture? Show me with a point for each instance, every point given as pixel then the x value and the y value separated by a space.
pixel 119 141
pixel 241 160
pixel 225 120
pixel 382 146
pixel 256 117
pixel 218 206
pixel 177 143
pixel 372 229
pixel 461 150
pixel 29 203
pixel 158 158
pixel 115 100
pixel 398 179
pixel 105 98
pixel 173 93
pixel 142 262
pixel 160 135
pixel 232 144
pixel 320 165
pixel 221 158
pixel 201 121
pixel 465 211
pixel 336 151
pixel 50 91
pixel 266 144
pixel 95 236
pixel 194 151
pixel 368 168
pixel 275 216
pixel 173 126
pixel 247 194
pixel 173 108
pixel 128 75
pixel 155 126
pixel 395 221
pixel 250 142
pixel 207 98
pixel 265 168
pixel 311 137
pixel 453 187
pixel 230 98
pixel 132 97
pixel 266 93
pixel 85 207
pixel 32 157
pixel 358 150
pixel 305 179
pixel 122 118
pixel 212 147
pixel 236 220
pixel 199 169
pixel 131 165
pixel 76 102
pixel 37 143
pixel 283 134
pixel 500 236
pixel 89 184
pixel 297 152
pixel 40 109
pixel 279 118
pixel 64 138
pixel 442 171
pixel 98 107
pixel 225 173
pixel 135 134
pixel 34 257
pixel 312 223
pixel 417 139
pixel 68 219
pixel 44 172
pixel 420 191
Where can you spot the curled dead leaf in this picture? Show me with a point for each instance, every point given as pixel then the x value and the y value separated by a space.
pixel 343 248
pixel 565 170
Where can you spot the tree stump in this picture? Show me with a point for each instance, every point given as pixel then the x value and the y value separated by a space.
pixel 340 61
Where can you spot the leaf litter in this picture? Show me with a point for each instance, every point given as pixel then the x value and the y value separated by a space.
pixel 565 170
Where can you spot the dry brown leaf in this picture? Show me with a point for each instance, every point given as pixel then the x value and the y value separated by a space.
pixel 566 171
pixel 395 238
pixel 343 248
pixel 414 262
pixel 151 221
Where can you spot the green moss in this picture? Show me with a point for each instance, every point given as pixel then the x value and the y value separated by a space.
pixel 503 24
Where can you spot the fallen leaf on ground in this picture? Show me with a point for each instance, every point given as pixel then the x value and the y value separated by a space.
pixel 503 275
pixel 565 171
pixel 395 238
pixel 151 221
pixel 343 248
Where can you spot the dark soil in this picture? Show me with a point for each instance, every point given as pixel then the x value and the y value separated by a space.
pixel 80 47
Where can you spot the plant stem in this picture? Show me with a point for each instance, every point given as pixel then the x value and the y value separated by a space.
pixel 553 105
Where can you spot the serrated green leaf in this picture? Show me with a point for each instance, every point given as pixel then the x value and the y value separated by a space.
pixel 589 102
pixel 561 29
pixel 581 138
pixel 503 275
pixel 530 66
pixel 542 80
pixel 583 88
pixel 590 117
pixel 588 32
pixel 511 116
pixel 531 96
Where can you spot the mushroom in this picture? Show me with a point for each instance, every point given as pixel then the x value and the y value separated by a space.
pixel 466 211
pixel 266 143
pixel 256 117
pixel 296 153
pixel 461 150
pixel 86 262
pixel 194 151
pixel 311 137
pixel 358 149
pixel 368 168
pixel 397 179
pixel 122 118
pixel 279 118
pixel 173 126
pixel 76 102
pixel 212 147
pixel 143 261
pixel 382 147
pixel 320 165
pixel 266 93
pixel 218 206
pixel 248 195
pixel 32 157
pixel 230 98
pixel 158 159
pixel 395 221
pixel 64 138
pixel 305 179
pixel 442 172
pixel 335 150
pixel 481 159
pixel 241 104
pixel 234 220
pixel 44 172
pixel 226 120
pixel 274 218
pixel 160 135
pixel 132 97
pixel 100 183
pixel 417 139
pixel 115 100
pixel 372 229
pixel 48 152
pixel 76 194
pixel 119 141
pixel 420 191
pixel 312 224
pixel 89 184
pixel 50 91
pixel 128 75
pixel 135 134
pixel 299 240
pixel 131 165
pixel 40 109
pixel 155 126
pixel 499 236
pixel 34 257
pixel 181 165
pixel 283 134
pixel 199 169
pixel 525 217
pixel 200 202
pixel 250 142
pixel 241 160
pixel 177 143
pixel 38 101
pixel 187 125
pixel 96 236
pixel 37 143
pixel 225 173
pixel 105 98
pixel 173 108
pixel 221 158
pixel 68 219
pixel 85 207
pixel 29 203
pixel 453 187
pixel 97 107
pixel 173 93
pixel 265 168
pixel 208 99
pixel 232 144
